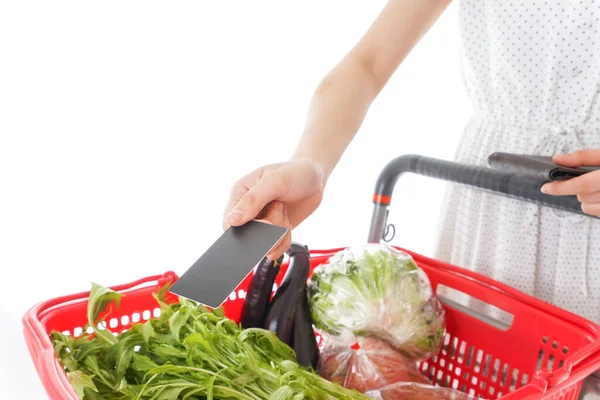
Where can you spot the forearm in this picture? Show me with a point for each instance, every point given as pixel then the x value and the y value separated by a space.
pixel 342 99
pixel 338 108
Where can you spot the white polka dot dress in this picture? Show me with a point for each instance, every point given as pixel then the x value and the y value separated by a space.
pixel 531 69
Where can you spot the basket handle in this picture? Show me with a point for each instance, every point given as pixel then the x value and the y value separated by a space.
pixel 507 184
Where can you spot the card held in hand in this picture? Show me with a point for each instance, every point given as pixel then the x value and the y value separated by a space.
pixel 220 270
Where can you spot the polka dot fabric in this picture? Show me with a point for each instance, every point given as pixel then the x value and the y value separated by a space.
pixel 531 69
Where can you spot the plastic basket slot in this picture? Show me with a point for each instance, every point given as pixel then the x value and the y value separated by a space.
pixel 440 375
pixel 514 380
pixel 135 317
pixel 424 367
pixel 524 379
pixel 474 380
pixel 486 365
pixel 447 381
pixel 446 343
pixel 496 370
pixel 540 360
pixel 462 352
pixel 431 372
pixel 470 356
pixel 455 384
pixel 550 364
pixel 504 375
pixel 474 307
pixel 478 361
pixel 454 348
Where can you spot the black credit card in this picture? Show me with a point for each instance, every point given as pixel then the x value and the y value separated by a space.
pixel 220 270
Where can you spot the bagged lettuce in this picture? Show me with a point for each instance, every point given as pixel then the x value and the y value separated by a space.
pixel 417 391
pixel 372 366
pixel 377 291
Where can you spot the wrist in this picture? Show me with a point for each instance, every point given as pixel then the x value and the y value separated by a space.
pixel 318 159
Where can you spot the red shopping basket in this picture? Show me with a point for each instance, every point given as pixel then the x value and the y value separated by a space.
pixel 477 358
pixel 544 353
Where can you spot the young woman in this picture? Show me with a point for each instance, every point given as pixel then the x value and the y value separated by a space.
pixel 532 72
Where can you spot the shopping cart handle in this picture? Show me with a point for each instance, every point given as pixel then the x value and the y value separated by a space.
pixel 503 183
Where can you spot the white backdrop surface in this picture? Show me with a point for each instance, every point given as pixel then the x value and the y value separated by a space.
pixel 124 124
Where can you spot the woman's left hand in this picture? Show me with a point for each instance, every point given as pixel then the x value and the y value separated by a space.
pixel 585 187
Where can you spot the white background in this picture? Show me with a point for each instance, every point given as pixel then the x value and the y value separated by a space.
pixel 124 124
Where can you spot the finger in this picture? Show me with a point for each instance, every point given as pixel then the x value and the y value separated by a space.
pixel 591 209
pixel 578 158
pixel 274 213
pixel 269 188
pixel 589 198
pixel 238 190
pixel 284 244
pixel 584 184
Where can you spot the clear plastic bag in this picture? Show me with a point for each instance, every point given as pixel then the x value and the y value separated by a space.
pixel 372 366
pixel 416 391
pixel 377 291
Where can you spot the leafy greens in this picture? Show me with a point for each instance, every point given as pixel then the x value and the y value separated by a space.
pixel 189 352
pixel 377 291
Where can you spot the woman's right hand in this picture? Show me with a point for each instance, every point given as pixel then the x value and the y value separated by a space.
pixel 293 190
pixel 283 194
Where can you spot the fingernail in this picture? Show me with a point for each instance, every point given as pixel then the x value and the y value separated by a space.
pixel 234 217
pixel 545 189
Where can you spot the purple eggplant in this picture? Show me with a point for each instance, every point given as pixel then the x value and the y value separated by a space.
pixel 256 303
pixel 304 341
pixel 282 311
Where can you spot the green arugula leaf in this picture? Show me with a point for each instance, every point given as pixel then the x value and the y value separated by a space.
pixel 142 363
pixel 80 381
pixel 178 320
pixel 172 393
pixel 100 298
pixel 148 332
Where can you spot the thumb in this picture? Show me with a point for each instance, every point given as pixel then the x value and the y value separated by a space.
pixel 578 158
pixel 255 200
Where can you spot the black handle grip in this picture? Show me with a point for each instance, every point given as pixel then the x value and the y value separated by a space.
pixel 488 179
